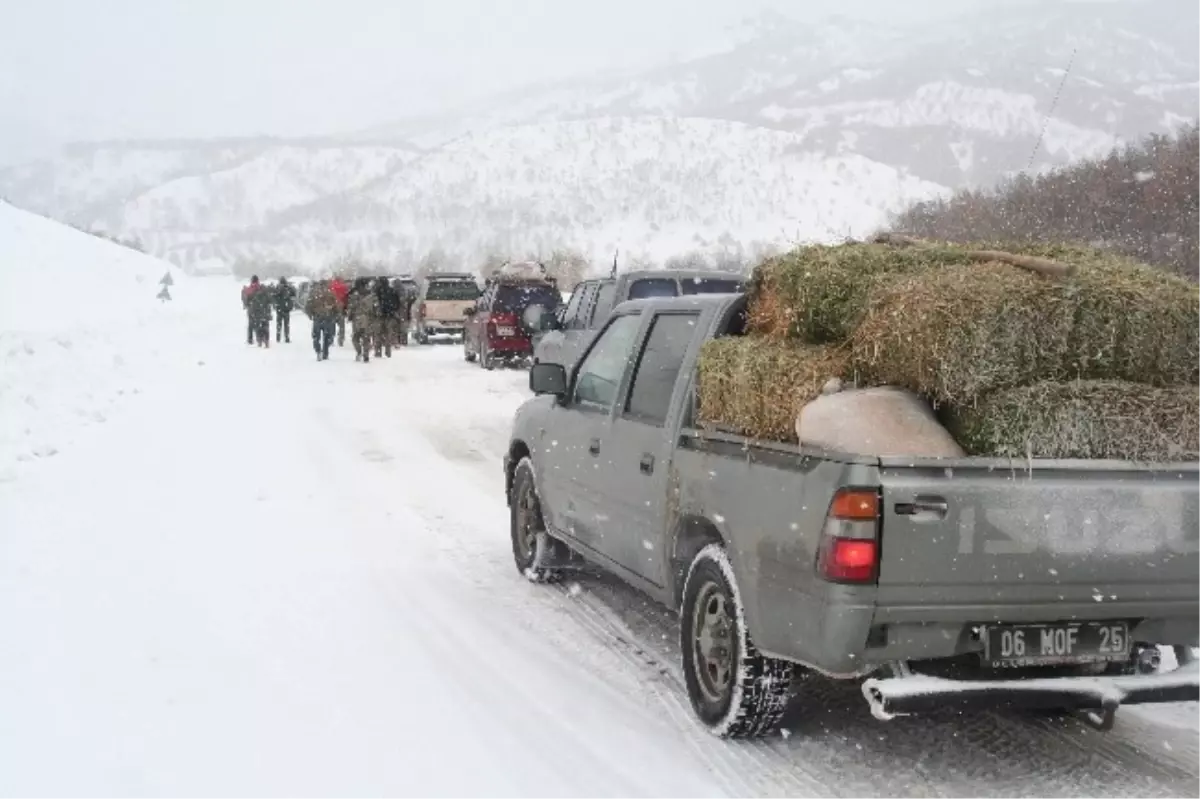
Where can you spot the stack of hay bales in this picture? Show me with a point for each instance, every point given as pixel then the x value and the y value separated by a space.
pixel 1052 351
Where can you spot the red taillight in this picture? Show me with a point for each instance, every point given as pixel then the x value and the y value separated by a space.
pixel 849 560
pixel 849 551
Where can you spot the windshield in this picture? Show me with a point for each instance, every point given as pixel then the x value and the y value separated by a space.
pixel 515 299
pixel 653 287
pixel 452 290
pixel 706 285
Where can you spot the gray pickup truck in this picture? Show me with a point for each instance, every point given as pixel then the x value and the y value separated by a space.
pixel 1048 583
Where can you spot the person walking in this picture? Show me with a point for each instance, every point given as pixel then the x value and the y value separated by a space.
pixel 322 308
pixel 389 317
pixel 363 308
pixel 285 301
pixel 247 293
pixel 260 315
pixel 342 292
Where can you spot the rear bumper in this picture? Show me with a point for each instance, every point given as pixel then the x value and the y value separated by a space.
pixel 895 696
pixel 509 345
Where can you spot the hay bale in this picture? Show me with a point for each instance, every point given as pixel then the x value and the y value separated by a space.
pixel 957 334
pixel 881 421
pixel 817 294
pixel 755 386
pixel 1094 419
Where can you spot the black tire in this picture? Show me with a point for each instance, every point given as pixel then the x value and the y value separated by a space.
pixel 530 541
pixel 734 691
pixel 486 359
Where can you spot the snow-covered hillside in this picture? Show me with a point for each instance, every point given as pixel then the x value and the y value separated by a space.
pixel 653 186
pixel 80 332
pixel 896 111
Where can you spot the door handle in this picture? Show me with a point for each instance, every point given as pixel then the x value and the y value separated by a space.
pixel 594 446
pixel 647 464
pixel 923 508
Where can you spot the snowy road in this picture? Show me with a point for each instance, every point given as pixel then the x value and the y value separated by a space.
pixel 266 575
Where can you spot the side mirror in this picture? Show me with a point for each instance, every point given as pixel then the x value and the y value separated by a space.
pixel 548 378
pixel 468 312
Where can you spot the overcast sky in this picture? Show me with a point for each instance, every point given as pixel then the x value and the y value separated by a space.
pixel 102 69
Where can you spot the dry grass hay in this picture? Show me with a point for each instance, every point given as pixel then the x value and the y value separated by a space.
pixel 882 421
pixel 755 386
pixel 957 334
pixel 1100 419
pixel 818 294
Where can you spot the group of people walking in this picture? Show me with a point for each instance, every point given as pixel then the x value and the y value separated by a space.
pixel 378 313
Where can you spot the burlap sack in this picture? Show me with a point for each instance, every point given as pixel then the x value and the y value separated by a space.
pixel 875 421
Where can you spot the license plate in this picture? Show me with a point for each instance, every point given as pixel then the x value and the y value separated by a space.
pixel 506 331
pixel 1048 644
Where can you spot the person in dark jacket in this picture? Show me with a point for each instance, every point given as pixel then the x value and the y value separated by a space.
pixel 259 306
pixel 324 310
pixel 389 316
pixel 285 301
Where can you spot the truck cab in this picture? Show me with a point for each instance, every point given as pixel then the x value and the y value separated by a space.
pixel 593 301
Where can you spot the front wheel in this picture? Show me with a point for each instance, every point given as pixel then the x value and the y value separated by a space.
pixel 533 548
pixel 735 691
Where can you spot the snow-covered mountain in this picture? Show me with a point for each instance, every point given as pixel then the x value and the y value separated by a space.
pixel 794 131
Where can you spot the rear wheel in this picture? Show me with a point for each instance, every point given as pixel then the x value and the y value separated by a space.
pixel 533 548
pixel 735 691
pixel 467 353
pixel 486 359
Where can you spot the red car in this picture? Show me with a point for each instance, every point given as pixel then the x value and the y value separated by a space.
pixel 495 329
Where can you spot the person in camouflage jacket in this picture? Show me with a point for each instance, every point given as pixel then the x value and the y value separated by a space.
pixel 259 307
pixel 363 309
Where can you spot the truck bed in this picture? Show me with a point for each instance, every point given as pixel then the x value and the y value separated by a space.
pixel 962 543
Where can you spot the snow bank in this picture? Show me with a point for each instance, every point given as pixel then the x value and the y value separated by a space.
pixel 79 321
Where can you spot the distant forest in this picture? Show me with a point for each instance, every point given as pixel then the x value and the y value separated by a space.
pixel 1142 201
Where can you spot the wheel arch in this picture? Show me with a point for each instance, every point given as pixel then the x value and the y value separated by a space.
pixel 517 450
pixel 690 534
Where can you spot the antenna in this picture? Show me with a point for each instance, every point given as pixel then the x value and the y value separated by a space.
pixel 1054 104
pixel 613 273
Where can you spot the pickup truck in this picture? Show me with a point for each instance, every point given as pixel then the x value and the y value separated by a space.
pixel 1048 583
pixel 570 328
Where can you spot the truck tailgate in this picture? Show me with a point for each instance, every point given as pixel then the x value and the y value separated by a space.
pixel 979 540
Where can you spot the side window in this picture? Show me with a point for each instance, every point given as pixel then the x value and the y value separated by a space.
pixel 579 321
pixel 573 306
pixel 653 287
pixel 658 367
pixel 604 303
pixel 599 374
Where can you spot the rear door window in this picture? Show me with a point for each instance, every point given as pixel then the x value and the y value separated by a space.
pixel 705 285
pixel 452 290
pixel 515 299
pixel 659 365
pixel 653 287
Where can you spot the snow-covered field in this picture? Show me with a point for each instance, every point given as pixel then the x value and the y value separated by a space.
pixel 264 575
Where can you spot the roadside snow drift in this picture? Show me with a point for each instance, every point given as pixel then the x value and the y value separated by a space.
pixel 76 313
